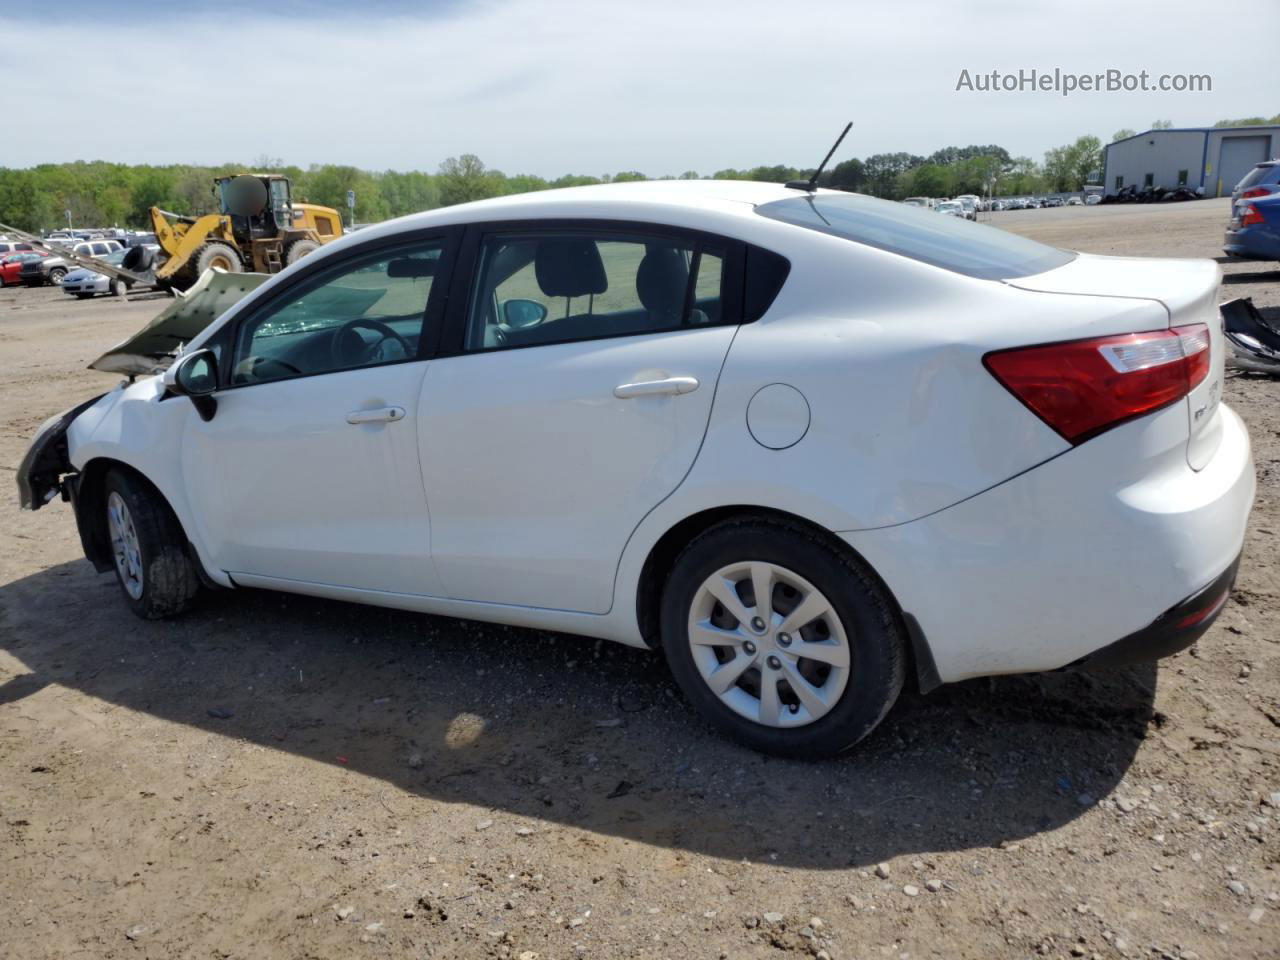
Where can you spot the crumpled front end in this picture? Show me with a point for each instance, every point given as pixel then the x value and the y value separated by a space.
pixel 47 462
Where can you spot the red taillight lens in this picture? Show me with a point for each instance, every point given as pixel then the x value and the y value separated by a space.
pixel 1255 192
pixel 1082 387
pixel 1251 216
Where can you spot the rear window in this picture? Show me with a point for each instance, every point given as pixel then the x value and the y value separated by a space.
pixel 1262 173
pixel 972 249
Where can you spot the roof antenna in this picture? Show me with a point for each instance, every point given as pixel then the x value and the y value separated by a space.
pixel 811 184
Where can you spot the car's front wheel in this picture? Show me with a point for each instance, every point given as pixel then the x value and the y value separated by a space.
pixel 56 275
pixel 148 548
pixel 781 639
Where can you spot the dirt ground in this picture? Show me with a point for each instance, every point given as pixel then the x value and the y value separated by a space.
pixel 275 776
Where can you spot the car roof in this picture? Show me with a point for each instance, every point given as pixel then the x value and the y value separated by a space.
pixel 638 200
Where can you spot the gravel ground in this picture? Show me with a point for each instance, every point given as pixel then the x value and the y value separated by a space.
pixel 285 777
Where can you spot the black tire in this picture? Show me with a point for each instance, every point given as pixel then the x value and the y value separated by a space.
pixel 56 275
pixel 299 249
pixel 866 611
pixel 218 254
pixel 139 260
pixel 169 581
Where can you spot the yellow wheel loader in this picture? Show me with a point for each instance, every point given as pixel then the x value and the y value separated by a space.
pixel 258 228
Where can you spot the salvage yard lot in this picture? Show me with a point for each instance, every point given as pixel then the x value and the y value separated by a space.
pixel 279 776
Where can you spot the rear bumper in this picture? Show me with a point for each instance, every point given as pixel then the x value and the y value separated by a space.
pixel 1251 241
pixel 1052 566
pixel 1174 630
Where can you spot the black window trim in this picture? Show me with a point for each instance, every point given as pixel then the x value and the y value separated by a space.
pixel 433 315
pixel 463 286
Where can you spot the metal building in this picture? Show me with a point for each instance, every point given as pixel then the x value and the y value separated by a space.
pixel 1211 158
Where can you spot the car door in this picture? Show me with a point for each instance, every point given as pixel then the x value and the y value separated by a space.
pixel 583 365
pixel 308 470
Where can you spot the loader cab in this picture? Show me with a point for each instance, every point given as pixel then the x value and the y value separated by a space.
pixel 259 206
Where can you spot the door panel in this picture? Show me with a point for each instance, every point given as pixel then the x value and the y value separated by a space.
pixel 286 486
pixel 537 472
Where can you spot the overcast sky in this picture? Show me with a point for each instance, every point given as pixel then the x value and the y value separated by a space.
pixel 556 86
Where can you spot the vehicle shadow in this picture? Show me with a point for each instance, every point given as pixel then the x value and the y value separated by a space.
pixel 576 731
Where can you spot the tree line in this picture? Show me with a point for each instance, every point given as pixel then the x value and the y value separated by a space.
pixel 102 194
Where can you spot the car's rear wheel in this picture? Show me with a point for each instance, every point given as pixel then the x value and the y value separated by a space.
pixel 56 275
pixel 148 548
pixel 781 639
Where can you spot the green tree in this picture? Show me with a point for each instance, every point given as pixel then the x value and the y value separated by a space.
pixel 465 178
pixel 1124 133
pixel 1161 124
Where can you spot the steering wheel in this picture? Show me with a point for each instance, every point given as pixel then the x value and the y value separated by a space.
pixel 347 330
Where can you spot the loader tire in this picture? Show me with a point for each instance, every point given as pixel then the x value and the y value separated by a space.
pixel 299 249
pixel 215 254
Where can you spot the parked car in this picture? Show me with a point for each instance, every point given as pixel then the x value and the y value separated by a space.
pixel 11 265
pixel 1074 202
pixel 15 246
pixel 53 268
pixel 1052 202
pixel 952 208
pixel 969 202
pixel 1093 199
pixel 924 202
pixel 1263 180
pixel 85 283
pixel 643 408
pixel 1254 230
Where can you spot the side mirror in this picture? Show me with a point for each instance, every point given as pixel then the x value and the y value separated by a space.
pixel 195 375
pixel 521 314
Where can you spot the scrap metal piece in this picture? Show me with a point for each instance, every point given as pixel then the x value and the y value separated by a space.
pixel 1255 345
pixel 153 348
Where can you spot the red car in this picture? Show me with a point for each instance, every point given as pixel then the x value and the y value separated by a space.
pixel 11 263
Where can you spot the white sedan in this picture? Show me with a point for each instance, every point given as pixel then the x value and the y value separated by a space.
pixel 811 445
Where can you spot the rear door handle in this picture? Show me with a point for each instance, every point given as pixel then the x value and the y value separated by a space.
pixel 654 388
pixel 380 415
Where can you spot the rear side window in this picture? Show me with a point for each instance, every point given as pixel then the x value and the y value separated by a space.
pixel 534 289
pixel 766 273
pixel 951 243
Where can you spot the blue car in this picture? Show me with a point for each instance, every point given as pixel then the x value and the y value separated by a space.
pixel 1254 230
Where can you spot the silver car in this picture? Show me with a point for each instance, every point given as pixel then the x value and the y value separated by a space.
pixel 85 283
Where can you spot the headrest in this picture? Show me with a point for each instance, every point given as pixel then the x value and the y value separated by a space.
pixel 661 281
pixel 569 267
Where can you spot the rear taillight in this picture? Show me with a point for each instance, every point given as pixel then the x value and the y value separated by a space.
pixel 1254 192
pixel 1251 216
pixel 1082 387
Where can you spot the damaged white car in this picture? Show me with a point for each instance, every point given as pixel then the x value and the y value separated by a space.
pixel 810 444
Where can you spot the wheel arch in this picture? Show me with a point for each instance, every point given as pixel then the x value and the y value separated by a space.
pixel 89 499
pixel 662 556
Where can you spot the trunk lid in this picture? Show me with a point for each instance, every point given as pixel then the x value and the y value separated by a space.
pixel 1188 290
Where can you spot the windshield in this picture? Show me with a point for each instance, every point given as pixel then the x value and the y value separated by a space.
pixel 972 249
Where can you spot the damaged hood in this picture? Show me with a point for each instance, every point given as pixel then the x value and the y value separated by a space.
pixel 153 347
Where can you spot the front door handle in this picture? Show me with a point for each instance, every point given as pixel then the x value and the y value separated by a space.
pixel 654 388
pixel 380 415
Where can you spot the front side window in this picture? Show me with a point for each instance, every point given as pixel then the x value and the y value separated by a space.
pixel 369 311
pixel 559 287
